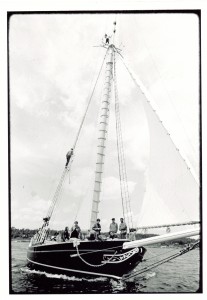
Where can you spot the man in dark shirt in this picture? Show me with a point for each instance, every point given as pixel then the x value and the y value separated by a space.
pixel 75 230
pixel 122 229
pixel 97 228
pixel 65 235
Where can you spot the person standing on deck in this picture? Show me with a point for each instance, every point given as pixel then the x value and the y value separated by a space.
pixel 65 235
pixel 97 228
pixel 68 157
pixel 122 229
pixel 113 228
pixel 75 230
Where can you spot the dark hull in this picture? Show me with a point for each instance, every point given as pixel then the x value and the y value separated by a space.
pixel 97 258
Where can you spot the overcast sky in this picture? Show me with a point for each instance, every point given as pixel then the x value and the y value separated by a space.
pixel 53 67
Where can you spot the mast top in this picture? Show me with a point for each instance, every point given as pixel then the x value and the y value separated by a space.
pixel 108 37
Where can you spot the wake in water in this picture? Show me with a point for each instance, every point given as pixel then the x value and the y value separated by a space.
pixel 149 275
pixel 61 283
pixel 138 283
pixel 117 285
pixel 61 276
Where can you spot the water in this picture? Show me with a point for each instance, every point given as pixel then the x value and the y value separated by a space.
pixel 178 276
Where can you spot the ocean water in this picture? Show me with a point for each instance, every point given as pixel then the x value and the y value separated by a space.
pixel 181 275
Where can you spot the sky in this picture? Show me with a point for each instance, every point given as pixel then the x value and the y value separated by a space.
pixel 53 67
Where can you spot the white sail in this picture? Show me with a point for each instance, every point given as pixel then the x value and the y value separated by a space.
pixel 170 180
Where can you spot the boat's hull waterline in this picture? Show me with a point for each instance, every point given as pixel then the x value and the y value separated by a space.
pixel 91 258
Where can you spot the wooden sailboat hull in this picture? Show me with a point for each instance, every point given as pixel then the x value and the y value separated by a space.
pixel 94 258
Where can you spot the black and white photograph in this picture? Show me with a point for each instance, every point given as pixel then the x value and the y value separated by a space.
pixel 105 151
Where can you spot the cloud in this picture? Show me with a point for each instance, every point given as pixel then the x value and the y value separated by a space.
pixel 31 213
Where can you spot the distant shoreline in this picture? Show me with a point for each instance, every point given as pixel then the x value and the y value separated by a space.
pixel 25 235
pixel 20 240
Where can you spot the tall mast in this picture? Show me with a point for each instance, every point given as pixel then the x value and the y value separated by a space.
pixel 103 125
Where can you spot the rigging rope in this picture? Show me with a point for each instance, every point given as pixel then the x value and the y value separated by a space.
pixel 89 102
pixel 162 261
pixel 59 197
pixel 122 196
pixel 57 193
pixel 67 169
pixel 121 157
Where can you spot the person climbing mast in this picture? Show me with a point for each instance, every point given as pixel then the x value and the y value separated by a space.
pixel 107 39
pixel 68 157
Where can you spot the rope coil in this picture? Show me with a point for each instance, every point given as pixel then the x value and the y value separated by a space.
pixel 92 265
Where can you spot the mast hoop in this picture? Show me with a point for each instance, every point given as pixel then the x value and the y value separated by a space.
pixel 101 138
pixel 105 116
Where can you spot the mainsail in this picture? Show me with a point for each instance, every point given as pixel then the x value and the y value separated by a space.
pixel 170 180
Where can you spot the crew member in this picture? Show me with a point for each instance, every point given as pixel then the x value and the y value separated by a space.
pixel 97 228
pixel 65 235
pixel 75 230
pixel 113 229
pixel 122 229
pixel 107 39
pixel 68 157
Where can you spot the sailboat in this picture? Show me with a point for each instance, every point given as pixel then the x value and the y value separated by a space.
pixel 115 257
